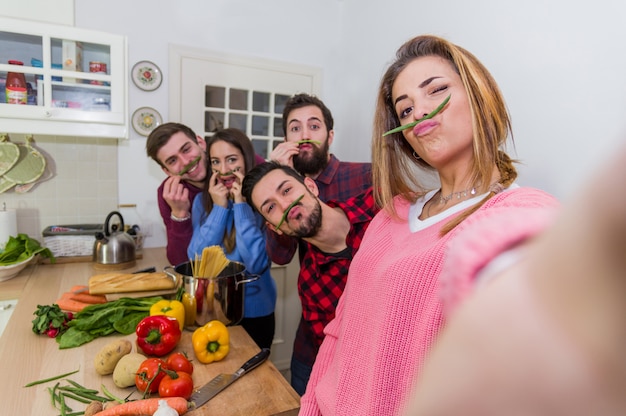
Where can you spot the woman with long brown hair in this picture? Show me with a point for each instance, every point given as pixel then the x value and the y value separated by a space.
pixel 221 216
pixel 438 111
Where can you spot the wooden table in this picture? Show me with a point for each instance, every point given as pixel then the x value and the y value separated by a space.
pixel 28 357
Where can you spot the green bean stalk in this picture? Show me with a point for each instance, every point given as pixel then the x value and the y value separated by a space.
pixel 64 397
pixel 416 122
pixel 293 204
pixel 229 173
pixel 190 165
pixel 309 141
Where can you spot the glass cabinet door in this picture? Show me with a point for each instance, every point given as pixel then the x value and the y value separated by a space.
pixel 73 76
pixel 90 90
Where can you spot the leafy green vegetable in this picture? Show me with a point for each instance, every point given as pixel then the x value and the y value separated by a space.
pixel 50 320
pixel 128 323
pixel 21 248
pixel 104 319
pixel 416 122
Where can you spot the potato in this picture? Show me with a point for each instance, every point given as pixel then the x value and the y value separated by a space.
pixel 110 354
pixel 93 408
pixel 126 369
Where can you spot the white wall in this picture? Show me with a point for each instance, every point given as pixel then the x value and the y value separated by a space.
pixel 57 11
pixel 274 29
pixel 559 64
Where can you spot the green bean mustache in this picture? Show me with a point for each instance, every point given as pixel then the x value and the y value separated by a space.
pixel 309 141
pixel 189 166
pixel 293 204
pixel 416 122
pixel 229 173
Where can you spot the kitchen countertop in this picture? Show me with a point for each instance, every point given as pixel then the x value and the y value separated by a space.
pixel 27 357
pixel 12 288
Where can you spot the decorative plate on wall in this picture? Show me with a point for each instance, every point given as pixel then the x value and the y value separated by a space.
pixel 146 119
pixel 146 75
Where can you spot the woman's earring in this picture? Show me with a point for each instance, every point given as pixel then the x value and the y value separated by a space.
pixel 416 156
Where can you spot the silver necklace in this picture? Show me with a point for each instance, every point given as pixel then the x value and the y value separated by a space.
pixel 457 195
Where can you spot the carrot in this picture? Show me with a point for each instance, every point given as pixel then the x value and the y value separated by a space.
pixel 76 302
pixel 66 303
pixel 87 298
pixel 79 289
pixel 146 407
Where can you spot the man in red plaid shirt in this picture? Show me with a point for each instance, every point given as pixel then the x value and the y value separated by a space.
pixel 290 205
pixel 308 128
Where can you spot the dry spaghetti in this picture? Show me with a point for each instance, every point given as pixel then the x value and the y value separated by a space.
pixel 211 263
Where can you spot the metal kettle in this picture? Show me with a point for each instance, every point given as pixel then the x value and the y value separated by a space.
pixel 115 247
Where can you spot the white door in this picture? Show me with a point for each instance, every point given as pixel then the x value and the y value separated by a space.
pixel 209 91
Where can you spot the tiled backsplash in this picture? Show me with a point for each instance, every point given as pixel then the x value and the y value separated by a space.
pixel 83 189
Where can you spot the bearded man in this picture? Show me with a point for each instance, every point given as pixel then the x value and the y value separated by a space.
pixel 331 233
pixel 308 128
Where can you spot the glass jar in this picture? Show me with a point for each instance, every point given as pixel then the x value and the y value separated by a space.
pixel 16 89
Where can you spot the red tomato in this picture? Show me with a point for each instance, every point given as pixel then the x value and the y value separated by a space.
pixel 178 361
pixel 149 375
pixel 176 384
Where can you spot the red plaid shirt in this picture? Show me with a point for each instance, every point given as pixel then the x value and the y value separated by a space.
pixel 323 277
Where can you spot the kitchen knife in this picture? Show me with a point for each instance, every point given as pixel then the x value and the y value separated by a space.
pixel 147 270
pixel 220 382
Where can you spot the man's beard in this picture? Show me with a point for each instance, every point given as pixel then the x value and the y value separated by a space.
pixel 312 225
pixel 315 163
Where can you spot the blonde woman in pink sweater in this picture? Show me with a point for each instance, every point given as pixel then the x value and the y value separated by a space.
pixel 547 335
pixel 398 291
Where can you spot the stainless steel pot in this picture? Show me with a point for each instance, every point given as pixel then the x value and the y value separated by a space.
pixel 220 298
pixel 114 247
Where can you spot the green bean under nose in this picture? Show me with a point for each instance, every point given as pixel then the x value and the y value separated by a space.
pixel 293 204
pixel 416 122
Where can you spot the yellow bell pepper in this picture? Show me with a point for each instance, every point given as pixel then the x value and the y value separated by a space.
pixel 171 308
pixel 211 342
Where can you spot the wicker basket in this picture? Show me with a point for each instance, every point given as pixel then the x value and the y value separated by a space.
pixel 77 240
pixel 71 240
pixel 70 246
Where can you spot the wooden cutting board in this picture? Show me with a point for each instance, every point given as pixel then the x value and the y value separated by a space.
pixel 116 282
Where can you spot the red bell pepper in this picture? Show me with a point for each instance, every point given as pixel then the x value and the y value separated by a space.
pixel 158 335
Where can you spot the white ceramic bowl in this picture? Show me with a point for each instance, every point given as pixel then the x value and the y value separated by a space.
pixel 9 272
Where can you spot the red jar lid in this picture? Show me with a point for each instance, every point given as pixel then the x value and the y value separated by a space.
pixel 13 62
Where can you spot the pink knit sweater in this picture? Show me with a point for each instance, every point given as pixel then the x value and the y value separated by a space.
pixel 391 310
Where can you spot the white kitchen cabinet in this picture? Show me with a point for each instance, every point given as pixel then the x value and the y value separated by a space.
pixel 67 99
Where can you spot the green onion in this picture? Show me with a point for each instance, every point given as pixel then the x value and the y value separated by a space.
pixel 50 379
pixel 293 204
pixel 416 122
pixel 190 165
pixel 309 141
